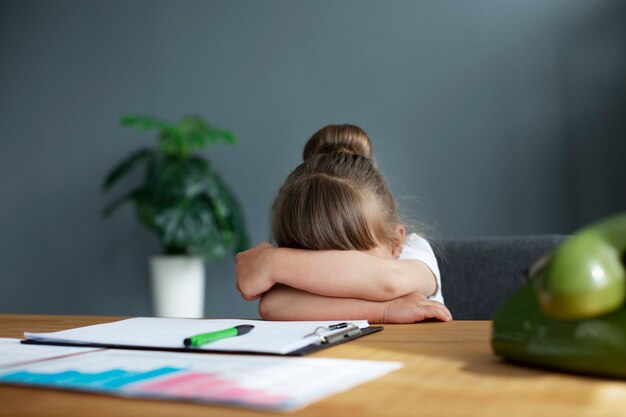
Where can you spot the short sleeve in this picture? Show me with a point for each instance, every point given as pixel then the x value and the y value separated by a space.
pixel 417 248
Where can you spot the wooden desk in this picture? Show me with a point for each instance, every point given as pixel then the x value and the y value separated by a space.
pixel 449 371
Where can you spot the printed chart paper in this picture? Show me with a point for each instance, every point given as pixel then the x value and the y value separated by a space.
pixel 264 382
pixel 12 352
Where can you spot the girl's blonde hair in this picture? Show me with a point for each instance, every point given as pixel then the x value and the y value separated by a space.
pixel 336 198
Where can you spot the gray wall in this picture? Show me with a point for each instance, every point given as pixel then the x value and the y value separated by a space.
pixel 488 117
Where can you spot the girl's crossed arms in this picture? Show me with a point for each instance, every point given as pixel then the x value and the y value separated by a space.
pixel 325 285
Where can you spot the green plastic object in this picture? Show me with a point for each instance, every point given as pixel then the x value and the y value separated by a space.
pixel 571 316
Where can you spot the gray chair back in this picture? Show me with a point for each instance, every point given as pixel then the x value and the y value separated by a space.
pixel 479 274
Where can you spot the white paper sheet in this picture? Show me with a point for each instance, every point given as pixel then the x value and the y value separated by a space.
pixel 266 337
pixel 12 352
pixel 266 382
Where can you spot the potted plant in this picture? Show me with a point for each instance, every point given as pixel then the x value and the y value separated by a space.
pixel 194 214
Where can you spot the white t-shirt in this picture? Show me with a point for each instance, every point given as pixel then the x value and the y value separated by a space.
pixel 417 248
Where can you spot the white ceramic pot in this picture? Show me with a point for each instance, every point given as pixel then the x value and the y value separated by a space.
pixel 177 286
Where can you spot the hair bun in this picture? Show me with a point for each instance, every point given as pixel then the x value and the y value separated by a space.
pixel 338 138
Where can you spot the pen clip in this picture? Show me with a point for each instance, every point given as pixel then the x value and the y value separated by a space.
pixel 334 332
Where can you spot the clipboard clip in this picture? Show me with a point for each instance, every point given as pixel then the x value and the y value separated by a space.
pixel 334 333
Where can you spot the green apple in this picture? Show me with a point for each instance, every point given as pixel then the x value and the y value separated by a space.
pixel 585 275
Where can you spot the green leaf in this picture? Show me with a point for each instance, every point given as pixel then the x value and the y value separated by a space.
pixel 170 179
pixel 126 166
pixel 228 213
pixel 217 134
pixel 190 227
pixel 145 123
pixel 174 144
pixel 146 212
pixel 115 204
pixel 193 129
pixel 197 133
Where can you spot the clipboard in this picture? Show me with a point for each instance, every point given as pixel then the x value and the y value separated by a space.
pixel 167 334
pixel 330 336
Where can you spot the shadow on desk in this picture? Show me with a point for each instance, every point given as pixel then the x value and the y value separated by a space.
pixel 464 345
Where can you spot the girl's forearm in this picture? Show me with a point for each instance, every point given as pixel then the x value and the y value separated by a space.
pixel 286 303
pixel 350 274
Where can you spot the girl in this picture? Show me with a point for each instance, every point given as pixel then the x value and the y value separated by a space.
pixel 341 250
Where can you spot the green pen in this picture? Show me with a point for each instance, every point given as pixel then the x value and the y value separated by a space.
pixel 204 338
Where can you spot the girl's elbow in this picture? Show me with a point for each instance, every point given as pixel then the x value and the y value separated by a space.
pixel 264 308
pixel 418 278
pixel 267 308
pixel 393 285
pixel 388 291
